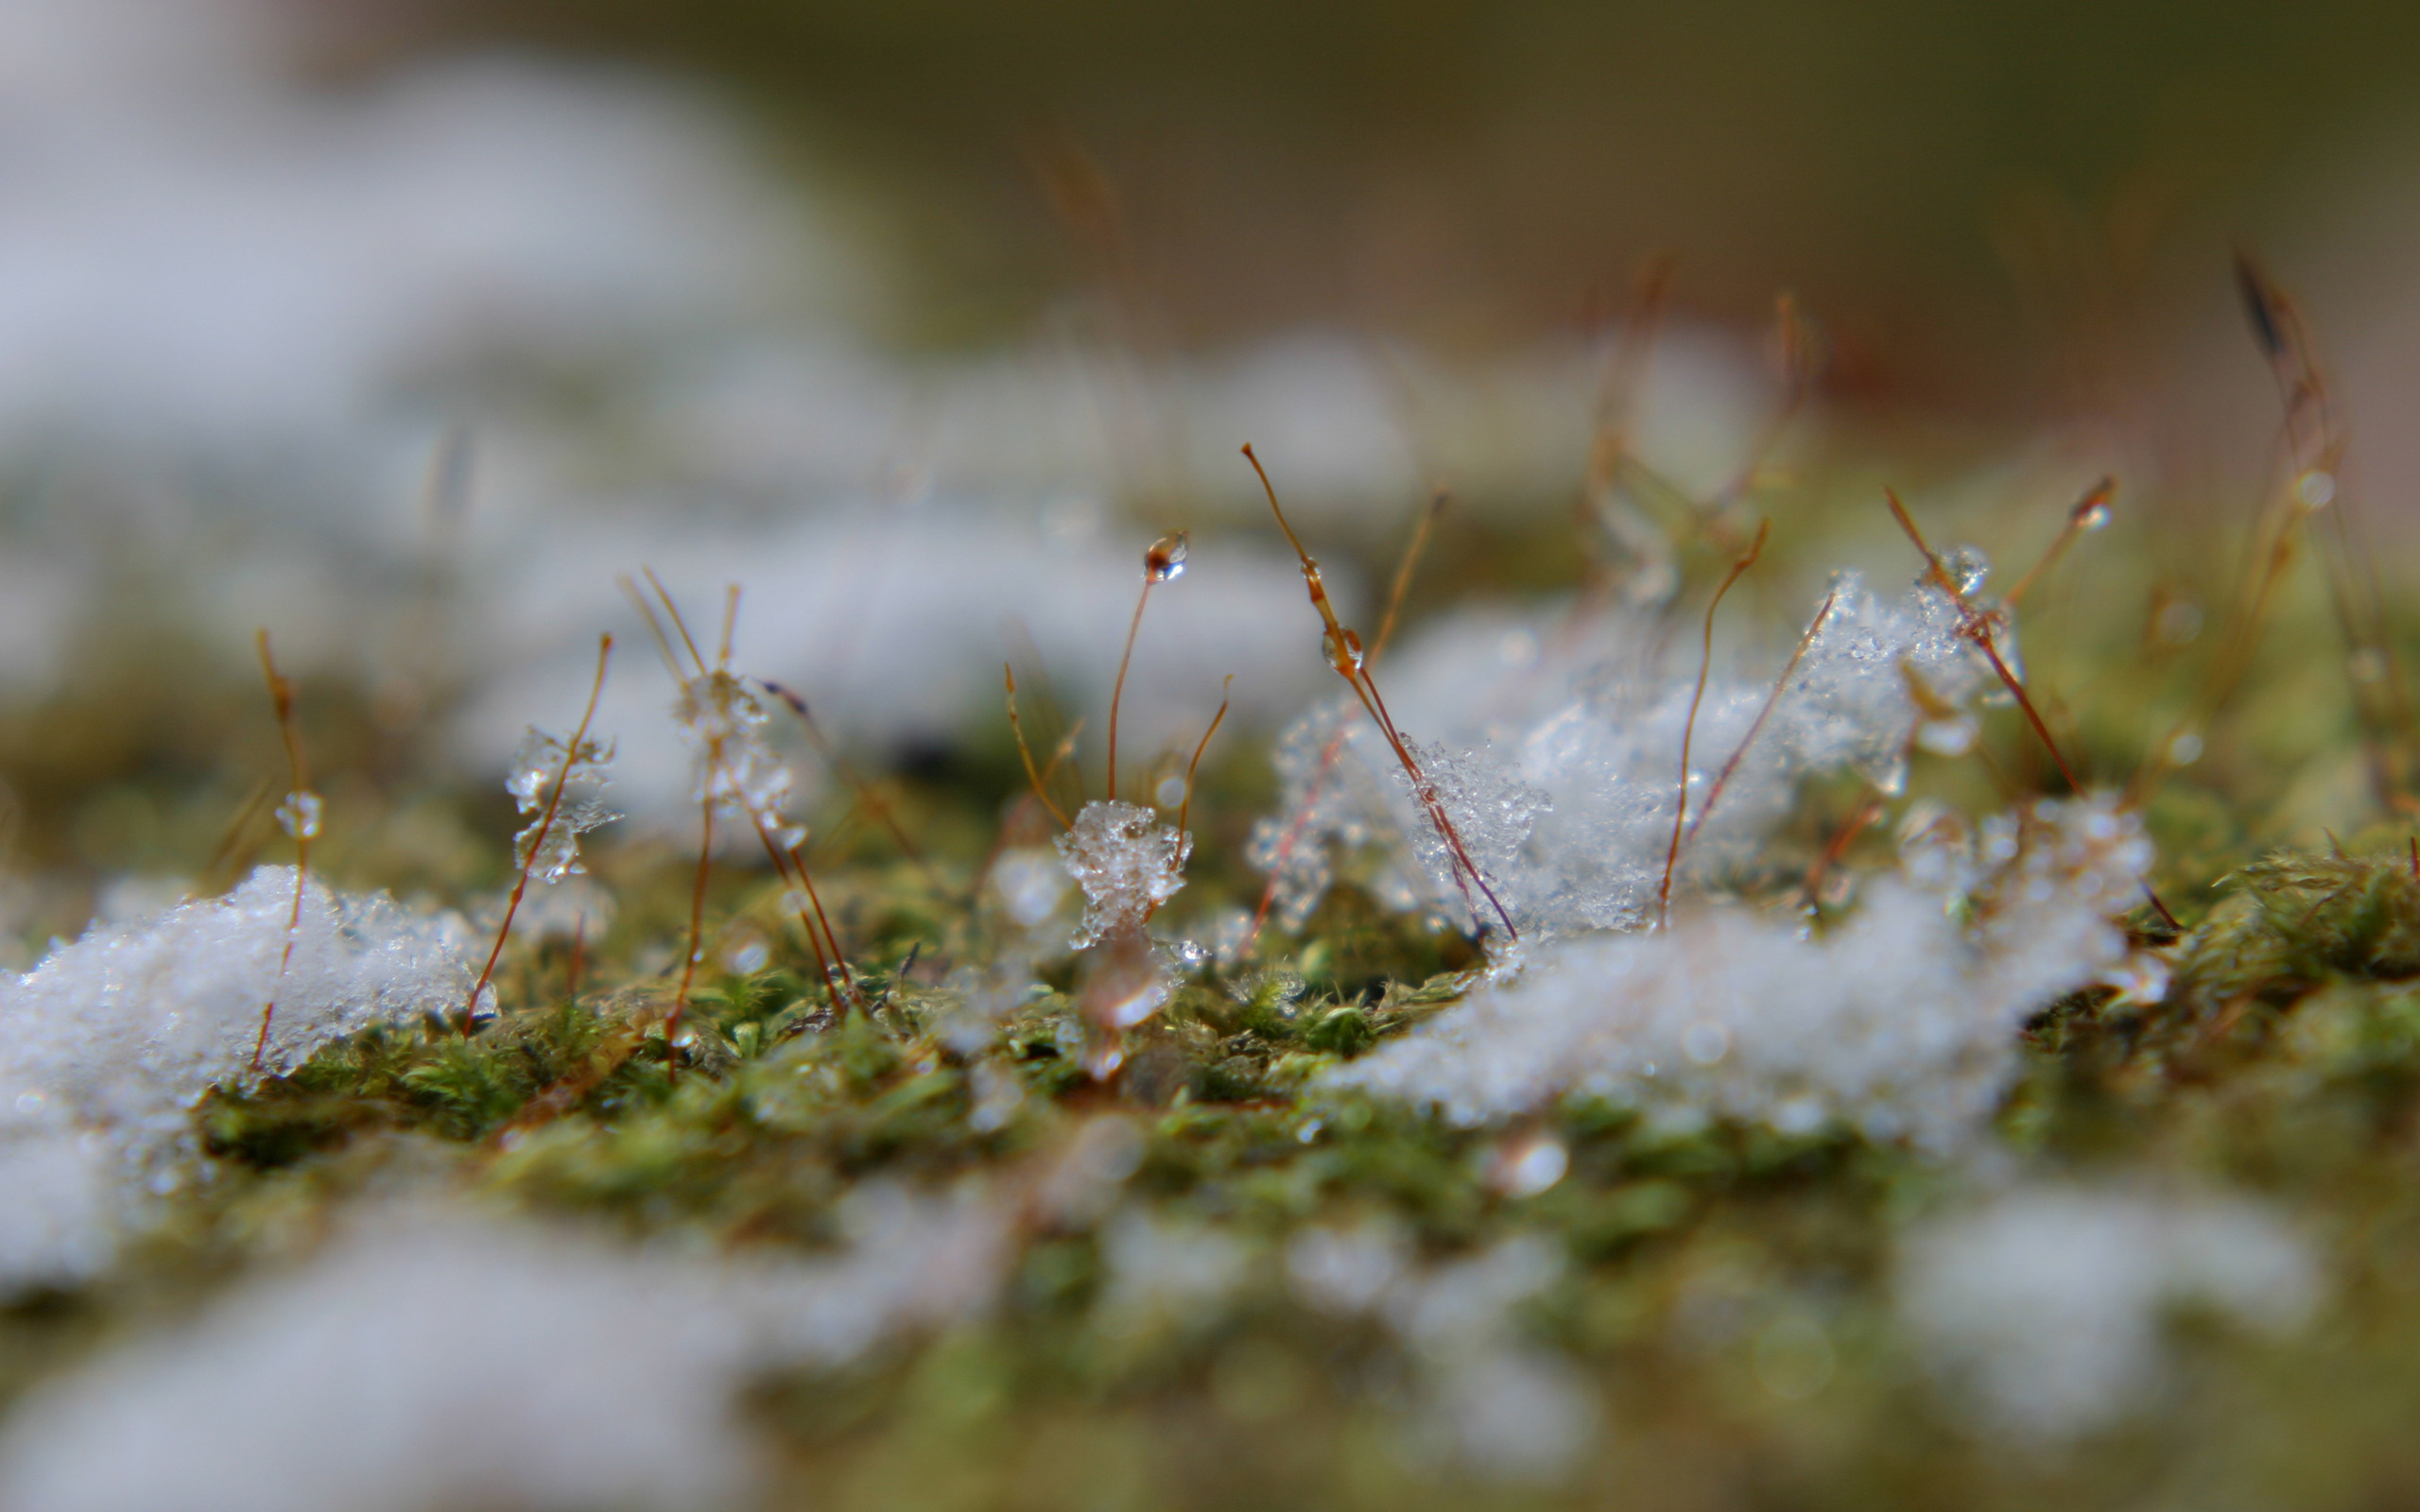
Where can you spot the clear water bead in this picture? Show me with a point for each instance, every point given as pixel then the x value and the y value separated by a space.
pixel 1165 561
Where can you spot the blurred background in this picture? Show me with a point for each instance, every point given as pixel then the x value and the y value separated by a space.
pixel 404 327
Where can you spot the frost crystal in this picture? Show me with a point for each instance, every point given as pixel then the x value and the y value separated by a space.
pixel 549 849
pixel 738 771
pixel 106 1045
pixel 1128 863
pixel 2046 1305
pixel 1900 1023
pixel 298 815
pixel 1562 780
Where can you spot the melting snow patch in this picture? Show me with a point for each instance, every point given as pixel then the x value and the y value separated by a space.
pixel 110 1040
pixel 1900 1022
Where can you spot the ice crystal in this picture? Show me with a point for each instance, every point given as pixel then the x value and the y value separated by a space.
pixel 1128 863
pixel 108 1042
pixel 1561 773
pixel 1899 1023
pixel 549 847
pixel 2045 1305
pixel 299 814
pixel 738 771
pixel 428 1358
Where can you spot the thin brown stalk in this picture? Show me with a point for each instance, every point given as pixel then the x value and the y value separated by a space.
pixel 787 865
pixel 1025 752
pixel 1792 352
pixel 281 694
pixel 1345 656
pixel 233 850
pixel 1846 837
pixel 2091 508
pixel 1756 728
pixel 1118 690
pixel 697 939
pixel 866 792
pixel 1413 550
pixel 1163 562
pixel 1185 809
pixel 1690 726
pixel 1976 628
pixel 545 825
pixel 1625 372
pixel 705 679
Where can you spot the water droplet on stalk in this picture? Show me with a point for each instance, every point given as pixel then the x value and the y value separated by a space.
pixel 1165 561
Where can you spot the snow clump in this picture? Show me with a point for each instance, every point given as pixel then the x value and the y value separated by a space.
pixel 1560 774
pixel 1127 862
pixel 110 1040
pixel 1899 1022
pixel 2046 1304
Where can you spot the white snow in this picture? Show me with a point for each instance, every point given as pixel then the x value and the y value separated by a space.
pixel 1128 863
pixel 1899 1023
pixel 1555 748
pixel 107 1044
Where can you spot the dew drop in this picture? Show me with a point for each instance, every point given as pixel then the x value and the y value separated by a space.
pixel 1165 561
pixel 2186 748
pixel 1529 1165
pixel 2095 516
pixel 2317 489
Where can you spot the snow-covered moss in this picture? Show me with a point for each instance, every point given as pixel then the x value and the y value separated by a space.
pixel 1560 763
pixel 1899 1023
pixel 106 1045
